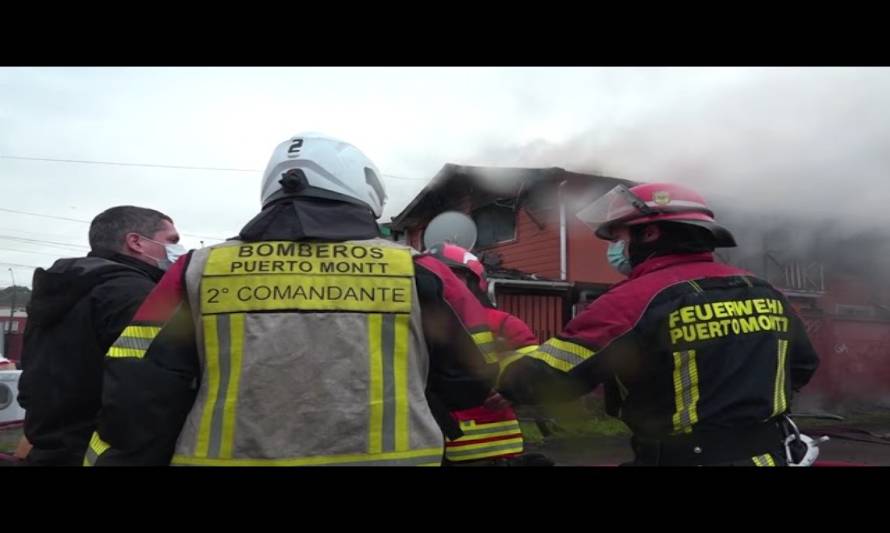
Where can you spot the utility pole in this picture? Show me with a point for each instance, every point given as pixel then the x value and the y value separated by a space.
pixel 12 306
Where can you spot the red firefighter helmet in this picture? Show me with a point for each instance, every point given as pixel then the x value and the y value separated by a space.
pixel 461 261
pixel 652 202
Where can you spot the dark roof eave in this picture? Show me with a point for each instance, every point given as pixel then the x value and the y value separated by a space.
pixel 404 220
pixel 399 221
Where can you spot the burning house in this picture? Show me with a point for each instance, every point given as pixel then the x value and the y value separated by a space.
pixel 546 266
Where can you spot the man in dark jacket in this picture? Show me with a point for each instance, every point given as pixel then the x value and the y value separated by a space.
pixel 78 308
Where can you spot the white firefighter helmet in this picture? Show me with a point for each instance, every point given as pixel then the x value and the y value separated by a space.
pixel 316 165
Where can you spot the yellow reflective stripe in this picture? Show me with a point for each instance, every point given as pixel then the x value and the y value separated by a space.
pixel 484 449
pixel 431 464
pixel 561 355
pixel 693 372
pixel 211 367
pixel 485 340
pixel 481 445
pixel 678 393
pixel 570 347
pixel 95 448
pixel 141 332
pixel 476 436
pixel 375 392
pixel 515 355
pixel 779 400
pixel 426 453
pixel 764 460
pixel 97 444
pixel 484 455
pixel 400 362
pixel 483 336
pixel 136 338
pixel 115 351
pixel 558 364
pixel 236 326
pixel 686 391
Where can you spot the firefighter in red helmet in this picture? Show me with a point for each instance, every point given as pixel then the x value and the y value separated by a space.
pixel 491 434
pixel 699 358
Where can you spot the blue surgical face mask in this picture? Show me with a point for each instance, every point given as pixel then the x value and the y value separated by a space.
pixel 616 257
pixel 172 252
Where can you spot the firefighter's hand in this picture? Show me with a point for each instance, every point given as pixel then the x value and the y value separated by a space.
pixel 496 402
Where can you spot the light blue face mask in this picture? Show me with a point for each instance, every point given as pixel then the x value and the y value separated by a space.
pixel 615 255
pixel 172 252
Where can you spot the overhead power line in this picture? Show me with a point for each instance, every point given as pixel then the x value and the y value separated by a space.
pixel 121 164
pixel 157 165
pixel 82 221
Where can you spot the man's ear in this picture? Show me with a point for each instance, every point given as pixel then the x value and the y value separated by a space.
pixel 133 243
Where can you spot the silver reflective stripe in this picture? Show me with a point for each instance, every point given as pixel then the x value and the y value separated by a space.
pixel 135 343
pixel 225 361
pixel 562 355
pixel 687 390
pixel 387 341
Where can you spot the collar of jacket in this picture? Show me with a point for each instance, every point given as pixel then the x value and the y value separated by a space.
pixel 664 261
pixel 152 272
pixel 298 219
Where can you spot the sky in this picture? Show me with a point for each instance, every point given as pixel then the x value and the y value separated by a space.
pixel 812 143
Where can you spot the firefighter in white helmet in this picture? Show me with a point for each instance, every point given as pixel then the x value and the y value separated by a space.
pixel 307 340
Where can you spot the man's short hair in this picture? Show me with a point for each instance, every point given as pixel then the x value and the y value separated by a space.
pixel 110 227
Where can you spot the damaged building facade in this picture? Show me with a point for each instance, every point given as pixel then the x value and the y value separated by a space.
pixel 545 266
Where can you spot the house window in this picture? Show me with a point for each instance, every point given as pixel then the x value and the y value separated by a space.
pixel 494 224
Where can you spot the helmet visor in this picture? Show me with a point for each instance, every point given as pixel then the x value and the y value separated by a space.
pixel 617 204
